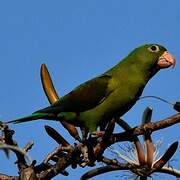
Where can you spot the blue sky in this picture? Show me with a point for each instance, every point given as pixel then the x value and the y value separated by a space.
pixel 79 40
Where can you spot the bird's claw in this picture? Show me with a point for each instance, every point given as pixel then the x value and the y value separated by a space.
pixel 97 134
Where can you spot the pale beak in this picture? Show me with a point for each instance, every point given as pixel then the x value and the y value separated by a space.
pixel 166 60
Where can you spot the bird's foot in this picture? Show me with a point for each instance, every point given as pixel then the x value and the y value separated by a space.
pixel 98 134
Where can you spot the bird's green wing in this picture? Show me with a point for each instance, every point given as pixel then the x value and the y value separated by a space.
pixel 82 98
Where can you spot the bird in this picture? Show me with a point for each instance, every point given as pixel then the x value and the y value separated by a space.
pixel 109 95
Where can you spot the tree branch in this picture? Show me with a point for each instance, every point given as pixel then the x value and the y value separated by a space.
pixel 140 130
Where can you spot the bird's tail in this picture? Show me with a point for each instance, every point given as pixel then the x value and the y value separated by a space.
pixel 34 116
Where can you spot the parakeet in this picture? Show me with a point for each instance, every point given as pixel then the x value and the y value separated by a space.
pixel 109 95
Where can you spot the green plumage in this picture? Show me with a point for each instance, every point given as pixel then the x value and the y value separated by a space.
pixel 109 95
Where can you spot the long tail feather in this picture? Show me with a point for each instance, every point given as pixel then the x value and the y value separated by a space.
pixel 34 116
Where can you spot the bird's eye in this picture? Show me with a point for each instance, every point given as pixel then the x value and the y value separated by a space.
pixel 154 48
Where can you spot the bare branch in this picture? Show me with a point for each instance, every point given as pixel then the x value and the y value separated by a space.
pixel 170 171
pixel 104 169
pixel 140 130
pixel 88 152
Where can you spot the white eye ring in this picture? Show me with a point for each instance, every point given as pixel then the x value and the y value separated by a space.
pixel 153 48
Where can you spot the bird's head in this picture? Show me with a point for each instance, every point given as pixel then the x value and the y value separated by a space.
pixel 153 56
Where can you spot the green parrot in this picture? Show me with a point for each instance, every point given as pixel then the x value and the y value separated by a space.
pixel 109 95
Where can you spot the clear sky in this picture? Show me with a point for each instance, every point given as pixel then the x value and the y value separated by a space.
pixel 79 40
